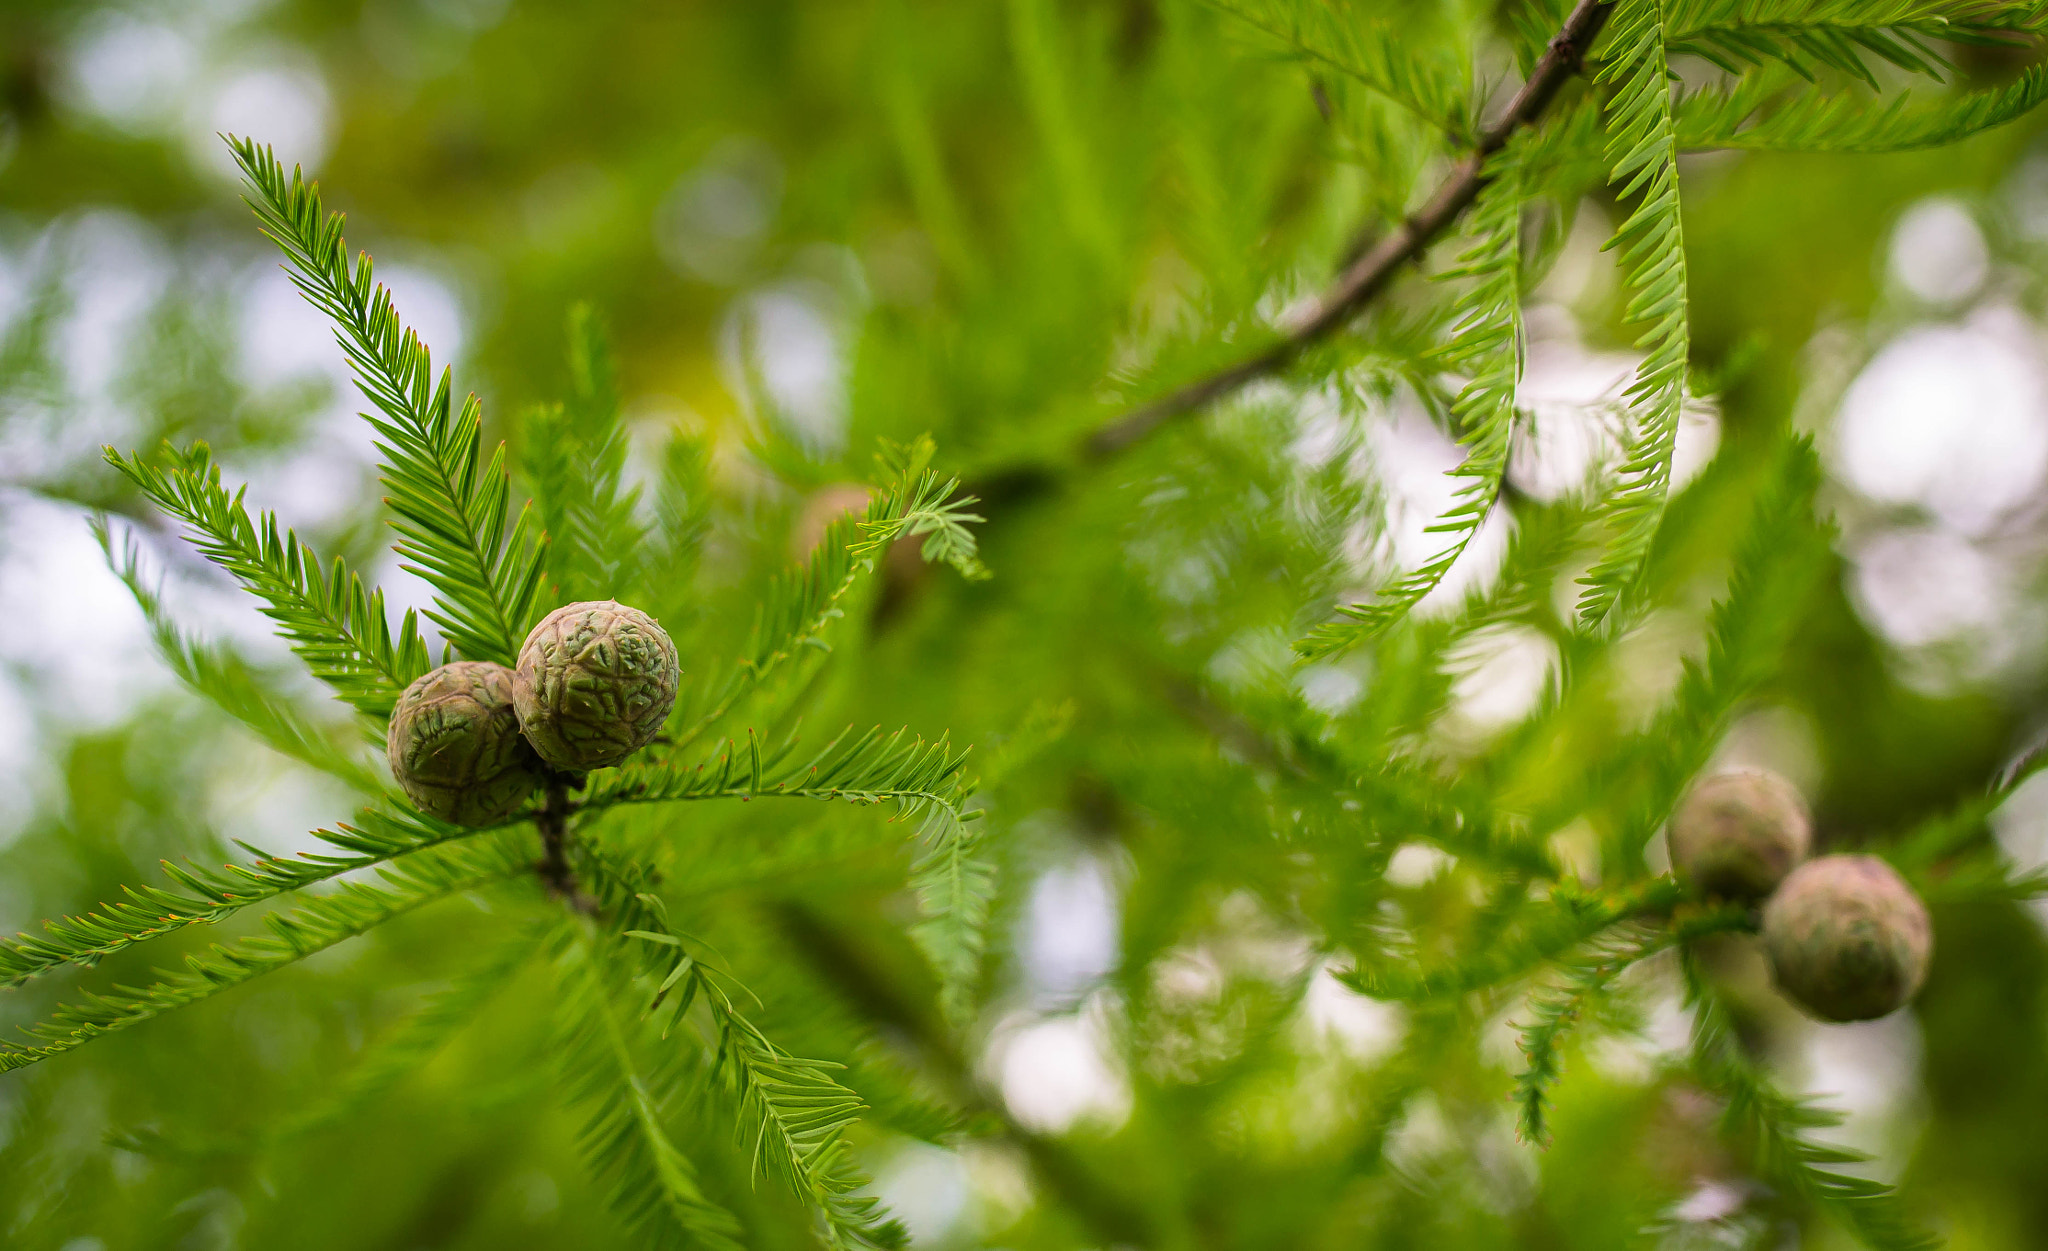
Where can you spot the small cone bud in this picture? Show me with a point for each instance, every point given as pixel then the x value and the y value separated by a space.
pixel 455 748
pixel 595 682
pixel 1848 940
pixel 1736 835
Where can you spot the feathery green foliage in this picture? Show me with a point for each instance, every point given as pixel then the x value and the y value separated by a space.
pixel 955 885
pixel 1487 348
pixel 452 512
pixel 316 924
pixel 1542 933
pixel 1778 557
pixel 1842 35
pixel 919 504
pixel 1381 55
pixel 654 1184
pixel 1776 1129
pixel 1582 980
pixel 1556 1008
pixel 1356 234
pixel 451 508
pixel 337 625
pixel 792 1115
pixel 922 780
pixel 574 457
pixel 873 768
pixel 1642 144
pixel 230 683
pixel 209 895
pixel 1751 115
pixel 801 605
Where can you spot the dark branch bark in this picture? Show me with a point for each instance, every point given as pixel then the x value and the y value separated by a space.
pixel 1367 276
pixel 846 966
pixel 553 823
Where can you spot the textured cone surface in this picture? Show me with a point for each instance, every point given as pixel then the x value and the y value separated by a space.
pixel 1736 835
pixel 454 744
pixel 595 682
pixel 1848 940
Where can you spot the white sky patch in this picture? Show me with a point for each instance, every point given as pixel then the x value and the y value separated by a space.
pixel 119 267
pixel 1937 251
pixel 428 303
pixel 1412 460
pixel 1712 1201
pixel 1572 396
pixel 1412 864
pixel 2021 824
pixel 1057 1072
pixel 1925 585
pixel 1420 1135
pixel 276 96
pixel 1329 688
pixel 1649 661
pixel 208 605
pixel 14 280
pixel 1070 938
pixel 404 591
pixel 18 751
pixel 925 1187
pixel 785 338
pixel 1953 419
pixel 1322 429
pixel 1503 672
pixel 1584 271
pixel 1870 1072
pixel 73 629
pixel 123 71
pixel 269 802
pixel 284 338
pixel 1364 1029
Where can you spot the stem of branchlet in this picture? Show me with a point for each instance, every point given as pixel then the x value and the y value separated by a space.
pixel 553 822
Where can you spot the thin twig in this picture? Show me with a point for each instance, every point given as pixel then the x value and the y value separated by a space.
pixel 1367 276
pixel 553 823
pixel 849 969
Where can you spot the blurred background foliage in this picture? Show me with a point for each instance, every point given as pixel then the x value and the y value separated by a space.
pixel 810 226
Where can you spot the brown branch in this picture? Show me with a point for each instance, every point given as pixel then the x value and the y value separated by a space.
pixel 850 969
pixel 553 823
pixel 1367 276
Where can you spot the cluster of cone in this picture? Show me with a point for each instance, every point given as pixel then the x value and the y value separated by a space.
pixel 1846 938
pixel 471 740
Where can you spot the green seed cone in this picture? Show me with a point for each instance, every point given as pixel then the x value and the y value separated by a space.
pixel 595 683
pixel 1848 940
pixel 1736 835
pixel 455 748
